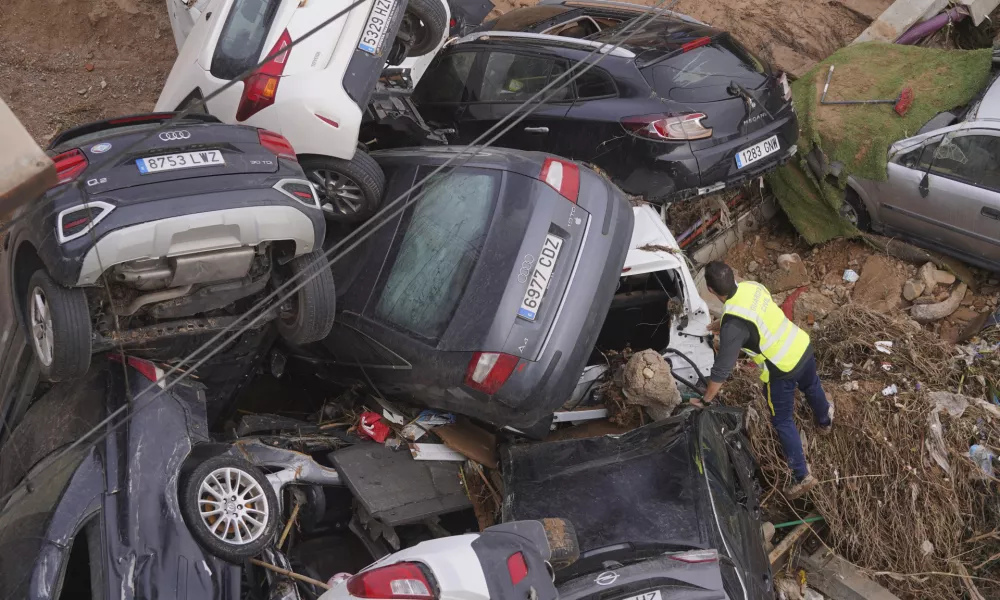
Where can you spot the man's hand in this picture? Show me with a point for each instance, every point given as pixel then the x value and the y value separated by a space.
pixel 715 326
pixel 696 403
pixel 711 392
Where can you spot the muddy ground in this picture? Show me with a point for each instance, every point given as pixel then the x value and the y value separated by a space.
pixel 66 62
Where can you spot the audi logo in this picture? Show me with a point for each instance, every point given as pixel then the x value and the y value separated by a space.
pixel 522 276
pixel 174 136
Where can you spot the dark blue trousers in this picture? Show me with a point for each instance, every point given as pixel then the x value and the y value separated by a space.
pixel 780 395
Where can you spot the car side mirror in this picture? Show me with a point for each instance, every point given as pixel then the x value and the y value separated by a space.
pixel 924 186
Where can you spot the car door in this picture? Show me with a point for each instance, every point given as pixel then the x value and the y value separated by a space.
pixel 590 135
pixel 926 213
pixel 443 92
pixel 506 80
pixel 183 16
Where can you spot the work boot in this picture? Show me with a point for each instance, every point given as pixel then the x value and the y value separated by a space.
pixel 801 488
pixel 826 429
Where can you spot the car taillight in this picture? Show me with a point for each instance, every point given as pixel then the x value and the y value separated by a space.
pixel 517 568
pixel 398 581
pixel 562 176
pixel 260 88
pixel 698 43
pixel 668 127
pixel 275 142
pixel 69 165
pixel 696 556
pixel 145 368
pixel 489 370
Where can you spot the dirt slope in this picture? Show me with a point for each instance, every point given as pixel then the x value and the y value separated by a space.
pixel 47 45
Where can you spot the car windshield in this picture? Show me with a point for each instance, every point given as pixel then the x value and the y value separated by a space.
pixel 437 251
pixel 704 74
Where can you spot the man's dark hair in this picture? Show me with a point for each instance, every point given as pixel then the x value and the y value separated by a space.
pixel 720 279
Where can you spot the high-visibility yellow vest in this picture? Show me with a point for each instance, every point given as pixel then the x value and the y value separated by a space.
pixel 781 341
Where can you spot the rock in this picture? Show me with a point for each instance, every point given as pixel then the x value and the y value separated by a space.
pixel 647 382
pixel 944 277
pixel 767 528
pixel 912 289
pixel 752 266
pixel 812 303
pixel 926 313
pixel 791 274
pixel 949 332
pixel 969 298
pixel 104 84
pixel 81 91
pixel 927 274
pixel 89 66
pixel 773 245
pixel 965 314
pixel 925 300
pixel 942 296
pixel 881 284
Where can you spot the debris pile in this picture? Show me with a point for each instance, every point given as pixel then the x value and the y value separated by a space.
pixel 907 486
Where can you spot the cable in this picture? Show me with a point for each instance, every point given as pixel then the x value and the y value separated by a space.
pixel 471 150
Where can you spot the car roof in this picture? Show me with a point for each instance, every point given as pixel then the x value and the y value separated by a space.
pixel 558 41
pixel 989 108
pixel 518 161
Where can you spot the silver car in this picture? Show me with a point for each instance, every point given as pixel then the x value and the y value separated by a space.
pixel 943 186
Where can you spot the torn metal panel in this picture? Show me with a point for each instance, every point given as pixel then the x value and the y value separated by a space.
pixel 295 467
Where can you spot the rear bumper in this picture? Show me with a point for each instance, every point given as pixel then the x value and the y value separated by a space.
pixel 182 225
pixel 542 386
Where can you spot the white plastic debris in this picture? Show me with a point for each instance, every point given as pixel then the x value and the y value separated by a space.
pixel 850 275
pixel 892 390
pixel 884 347
pixel 851 386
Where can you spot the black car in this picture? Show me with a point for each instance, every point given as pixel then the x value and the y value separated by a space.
pixel 679 110
pixel 484 297
pixel 153 505
pixel 667 511
pixel 163 241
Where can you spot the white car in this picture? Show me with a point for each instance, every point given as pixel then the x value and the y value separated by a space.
pixel 316 93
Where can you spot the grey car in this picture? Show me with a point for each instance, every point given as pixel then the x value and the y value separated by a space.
pixel 943 186
pixel 487 295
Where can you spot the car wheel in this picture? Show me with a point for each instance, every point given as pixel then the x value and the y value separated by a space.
pixel 854 212
pixel 60 329
pixel 230 508
pixel 349 190
pixel 426 21
pixel 308 315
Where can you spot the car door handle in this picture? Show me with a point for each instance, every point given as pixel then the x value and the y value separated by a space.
pixel 536 129
pixel 990 212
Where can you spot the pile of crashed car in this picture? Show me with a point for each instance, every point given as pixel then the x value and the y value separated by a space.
pixel 483 285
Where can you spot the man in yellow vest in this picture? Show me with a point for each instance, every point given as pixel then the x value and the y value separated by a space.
pixel 753 323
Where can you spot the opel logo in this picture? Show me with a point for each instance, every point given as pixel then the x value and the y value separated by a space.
pixel 606 578
pixel 522 276
pixel 174 136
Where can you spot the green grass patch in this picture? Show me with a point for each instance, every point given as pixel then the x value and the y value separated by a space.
pixel 860 136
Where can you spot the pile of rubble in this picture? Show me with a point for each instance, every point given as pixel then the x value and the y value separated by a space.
pixel 907 483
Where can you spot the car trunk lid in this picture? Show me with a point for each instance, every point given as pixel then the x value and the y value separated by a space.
pixel 186 151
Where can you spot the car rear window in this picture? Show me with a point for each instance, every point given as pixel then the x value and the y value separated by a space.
pixel 703 74
pixel 243 36
pixel 441 239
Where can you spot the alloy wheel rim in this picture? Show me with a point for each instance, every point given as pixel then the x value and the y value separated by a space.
pixel 338 191
pixel 233 506
pixel 41 326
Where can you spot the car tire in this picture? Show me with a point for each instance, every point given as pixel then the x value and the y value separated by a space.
pixel 59 326
pixel 853 211
pixel 309 318
pixel 350 191
pixel 563 543
pixel 428 22
pixel 209 487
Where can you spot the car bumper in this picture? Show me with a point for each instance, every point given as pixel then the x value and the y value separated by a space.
pixel 185 225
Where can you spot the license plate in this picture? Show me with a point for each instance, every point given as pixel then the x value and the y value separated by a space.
pixel 184 160
pixel 377 25
pixel 757 152
pixel 538 281
pixel 654 595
